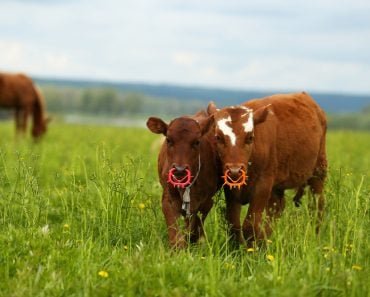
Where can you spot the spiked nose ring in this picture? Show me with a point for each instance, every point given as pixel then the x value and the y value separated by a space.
pixel 179 182
pixel 232 183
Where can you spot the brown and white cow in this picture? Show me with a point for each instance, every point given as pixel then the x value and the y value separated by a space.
pixel 188 170
pixel 266 146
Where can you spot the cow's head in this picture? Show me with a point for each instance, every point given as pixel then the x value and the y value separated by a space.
pixel 40 127
pixel 183 144
pixel 234 128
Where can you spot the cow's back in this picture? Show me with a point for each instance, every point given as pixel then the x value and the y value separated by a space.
pixel 15 89
pixel 291 139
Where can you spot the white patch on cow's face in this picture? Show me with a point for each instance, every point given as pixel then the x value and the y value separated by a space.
pixel 227 130
pixel 248 126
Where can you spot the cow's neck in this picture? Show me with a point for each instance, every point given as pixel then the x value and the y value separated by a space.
pixel 186 195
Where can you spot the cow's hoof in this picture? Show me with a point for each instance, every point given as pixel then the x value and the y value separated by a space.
pixel 179 244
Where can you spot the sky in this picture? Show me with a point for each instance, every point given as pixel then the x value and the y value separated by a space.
pixel 277 45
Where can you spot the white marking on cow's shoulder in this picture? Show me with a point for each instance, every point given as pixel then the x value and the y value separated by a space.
pixel 245 108
pixel 227 130
pixel 248 126
pixel 270 110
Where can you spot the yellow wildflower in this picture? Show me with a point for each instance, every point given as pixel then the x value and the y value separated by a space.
pixel 328 249
pixel 103 274
pixel 356 267
pixel 270 258
pixel 349 248
pixel 66 226
pixel 250 250
pixel 125 247
pixel 141 205
pixel 229 266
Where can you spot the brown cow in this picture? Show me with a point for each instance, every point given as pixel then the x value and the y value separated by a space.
pixel 18 91
pixel 189 173
pixel 266 146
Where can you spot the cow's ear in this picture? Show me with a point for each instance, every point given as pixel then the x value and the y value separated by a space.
pixel 157 125
pixel 211 109
pixel 206 124
pixel 260 115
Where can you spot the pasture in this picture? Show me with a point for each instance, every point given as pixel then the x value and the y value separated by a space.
pixel 80 215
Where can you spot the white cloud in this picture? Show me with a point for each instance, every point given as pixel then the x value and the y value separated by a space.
pixel 210 72
pixel 20 57
pixel 11 53
pixel 302 74
pixel 58 63
pixel 185 58
pixel 283 44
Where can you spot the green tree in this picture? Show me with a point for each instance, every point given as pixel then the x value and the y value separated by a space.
pixel 366 109
pixel 99 101
pixel 133 103
pixel 108 101
pixel 87 98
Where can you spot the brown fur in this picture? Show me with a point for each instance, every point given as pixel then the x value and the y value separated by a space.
pixel 186 138
pixel 18 91
pixel 286 150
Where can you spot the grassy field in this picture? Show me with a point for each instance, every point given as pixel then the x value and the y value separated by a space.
pixel 80 215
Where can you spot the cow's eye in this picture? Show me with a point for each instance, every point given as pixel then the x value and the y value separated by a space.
pixel 195 143
pixel 219 139
pixel 249 139
pixel 169 141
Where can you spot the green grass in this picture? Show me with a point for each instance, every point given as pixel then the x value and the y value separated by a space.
pixel 70 208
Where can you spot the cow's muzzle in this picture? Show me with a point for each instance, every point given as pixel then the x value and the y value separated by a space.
pixel 235 176
pixel 179 176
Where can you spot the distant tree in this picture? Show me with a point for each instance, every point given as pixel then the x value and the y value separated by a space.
pixel 105 101
pixel 133 103
pixel 86 104
pixel 366 109
pixel 61 99
pixel 99 101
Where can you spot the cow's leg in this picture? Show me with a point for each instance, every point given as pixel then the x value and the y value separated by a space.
pixel 18 121
pixel 172 212
pixel 276 203
pixel 233 208
pixel 195 224
pixel 253 227
pixel 298 195
pixel 25 112
pixel 316 183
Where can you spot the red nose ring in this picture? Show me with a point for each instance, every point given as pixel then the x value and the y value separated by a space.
pixel 183 182
pixel 229 181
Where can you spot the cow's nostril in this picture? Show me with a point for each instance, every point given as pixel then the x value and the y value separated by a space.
pixel 180 169
pixel 235 171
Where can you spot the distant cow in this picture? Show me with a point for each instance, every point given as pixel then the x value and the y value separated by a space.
pixel 189 173
pixel 266 146
pixel 17 91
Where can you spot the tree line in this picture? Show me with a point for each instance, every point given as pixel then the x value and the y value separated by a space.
pixel 112 102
